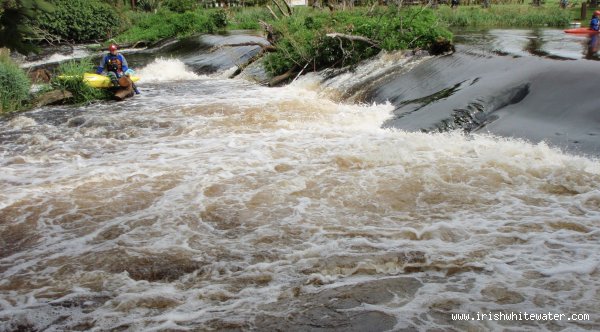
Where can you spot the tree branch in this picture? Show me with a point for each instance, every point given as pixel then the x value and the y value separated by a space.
pixel 273 13
pixel 280 9
pixel 354 38
pixel 278 79
pixel 271 36
pixel 289 9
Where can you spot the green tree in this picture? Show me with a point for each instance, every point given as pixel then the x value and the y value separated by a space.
pixel 81 20
pixel 15 19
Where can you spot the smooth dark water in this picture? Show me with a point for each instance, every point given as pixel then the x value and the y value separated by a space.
pixel 535 85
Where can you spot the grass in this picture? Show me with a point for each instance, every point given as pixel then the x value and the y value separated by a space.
pixel 166 24
pixel 303 41
pixel 152 27
pixel 241 18
pixel 14 85
pixel 510 15
pixel 302 37
pixel 70 78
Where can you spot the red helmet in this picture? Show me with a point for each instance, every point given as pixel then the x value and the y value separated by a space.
pixel 112 47
pixel 597 13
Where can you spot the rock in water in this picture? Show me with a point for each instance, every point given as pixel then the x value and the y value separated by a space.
pixel 51 98
pixel 126 88
pixel 40 76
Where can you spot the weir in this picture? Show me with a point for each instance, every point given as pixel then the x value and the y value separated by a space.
pixel 208 203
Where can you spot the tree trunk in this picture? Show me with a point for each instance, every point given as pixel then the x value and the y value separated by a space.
pixel 283 77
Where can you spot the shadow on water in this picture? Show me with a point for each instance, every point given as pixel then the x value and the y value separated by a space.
pixel 531 92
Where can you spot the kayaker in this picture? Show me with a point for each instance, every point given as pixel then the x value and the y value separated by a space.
pixel 115 65
pixel 595 22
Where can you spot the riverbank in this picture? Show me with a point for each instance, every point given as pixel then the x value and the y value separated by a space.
pixel 507 16
pixel 310 39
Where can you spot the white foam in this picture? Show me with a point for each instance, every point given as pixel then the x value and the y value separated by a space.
pixel 269 190
pixel 166 70
pixel 78 53
pixel 587 266
pixel 20 122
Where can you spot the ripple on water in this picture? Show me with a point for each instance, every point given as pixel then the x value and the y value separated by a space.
pixel 239 207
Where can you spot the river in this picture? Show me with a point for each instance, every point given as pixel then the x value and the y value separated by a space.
pixel 336 203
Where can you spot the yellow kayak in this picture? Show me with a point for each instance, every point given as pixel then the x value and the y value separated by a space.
pixel 101 81
pixel 96 80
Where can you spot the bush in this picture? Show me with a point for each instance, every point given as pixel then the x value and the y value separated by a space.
pixel 70 78
pixel 81 20
pixel 180 6
pixel 166 24
pixel 14 85
pixel 302 37
pixel 219 18
pixel 148 5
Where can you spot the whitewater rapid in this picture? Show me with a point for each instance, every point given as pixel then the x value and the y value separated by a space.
pixel 207 203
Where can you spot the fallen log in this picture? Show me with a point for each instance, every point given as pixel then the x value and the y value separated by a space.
pixel 283 77
pixel 265 49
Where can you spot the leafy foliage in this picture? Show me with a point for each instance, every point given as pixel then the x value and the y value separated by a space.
pixel 70 78
pixel 303 37
pixel 14 85
pixel 15 22
pixel 166 24
pixel 81 20
pixel 180 6
pixel 247 17
pixel 148 5
pixel 219 18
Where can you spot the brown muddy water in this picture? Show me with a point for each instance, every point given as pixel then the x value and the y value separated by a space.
pixel 208 203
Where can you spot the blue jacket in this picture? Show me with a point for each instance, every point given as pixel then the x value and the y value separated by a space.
pixel 114 63
pixel 595 23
